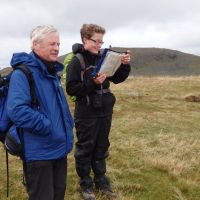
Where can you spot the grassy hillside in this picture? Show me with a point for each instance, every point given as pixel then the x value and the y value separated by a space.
pixel 160 62
pixel 155 141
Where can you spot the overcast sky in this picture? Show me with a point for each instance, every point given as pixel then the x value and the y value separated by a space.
pixel 173 24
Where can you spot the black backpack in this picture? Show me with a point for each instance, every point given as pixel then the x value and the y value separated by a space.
pixel 10 135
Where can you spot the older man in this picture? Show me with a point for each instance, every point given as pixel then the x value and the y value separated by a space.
pixel 47 130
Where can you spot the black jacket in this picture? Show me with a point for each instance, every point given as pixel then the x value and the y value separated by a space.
pixel 86 90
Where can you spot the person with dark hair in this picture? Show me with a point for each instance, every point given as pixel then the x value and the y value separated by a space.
pixel 93 110
pixel 47 129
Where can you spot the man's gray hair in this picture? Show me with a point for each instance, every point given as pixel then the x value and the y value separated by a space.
pixel 39 33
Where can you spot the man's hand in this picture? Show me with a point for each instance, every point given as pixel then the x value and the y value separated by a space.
pixel 126 58
pixel 100 78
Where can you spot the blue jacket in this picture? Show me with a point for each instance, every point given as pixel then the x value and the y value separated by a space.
pixel 48 131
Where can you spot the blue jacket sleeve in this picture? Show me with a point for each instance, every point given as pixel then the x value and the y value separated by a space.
pixel 19 107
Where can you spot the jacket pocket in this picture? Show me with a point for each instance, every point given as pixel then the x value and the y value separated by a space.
pixel 97 101
pixel 109 100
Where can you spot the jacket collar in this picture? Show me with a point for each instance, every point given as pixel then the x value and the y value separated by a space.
pixel 32 60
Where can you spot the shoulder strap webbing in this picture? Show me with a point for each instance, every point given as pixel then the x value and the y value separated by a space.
pixel 82 62
pixel 81 59
pixel 83 66
pixel 83 69
pixel 29 76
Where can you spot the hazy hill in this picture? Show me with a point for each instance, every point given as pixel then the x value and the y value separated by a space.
pixel 158 61
pixel 5 71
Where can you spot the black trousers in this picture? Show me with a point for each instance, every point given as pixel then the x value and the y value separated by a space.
pixel 46 179
pixel 92 147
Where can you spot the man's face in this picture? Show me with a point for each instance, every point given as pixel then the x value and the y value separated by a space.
pixel 48 48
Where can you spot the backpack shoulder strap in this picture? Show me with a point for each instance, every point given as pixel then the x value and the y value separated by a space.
pixel 81 59
pixel 31 81
pixel 82 62
pixel 83 69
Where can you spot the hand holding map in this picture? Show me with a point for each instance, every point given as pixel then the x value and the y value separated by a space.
pixel 109 63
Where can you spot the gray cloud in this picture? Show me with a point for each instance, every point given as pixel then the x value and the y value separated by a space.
pixel 129 23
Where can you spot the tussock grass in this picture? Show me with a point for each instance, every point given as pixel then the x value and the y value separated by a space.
pixel 155 143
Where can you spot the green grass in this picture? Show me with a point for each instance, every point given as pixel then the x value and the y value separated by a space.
pixel 155 144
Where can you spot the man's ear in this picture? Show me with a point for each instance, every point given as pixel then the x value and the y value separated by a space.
pixel 36 45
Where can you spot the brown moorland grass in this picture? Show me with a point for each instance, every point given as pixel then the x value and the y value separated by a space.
pixel 155 143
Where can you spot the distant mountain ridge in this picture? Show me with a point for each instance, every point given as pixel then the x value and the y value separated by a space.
pixel 160 62
pixel 156 62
